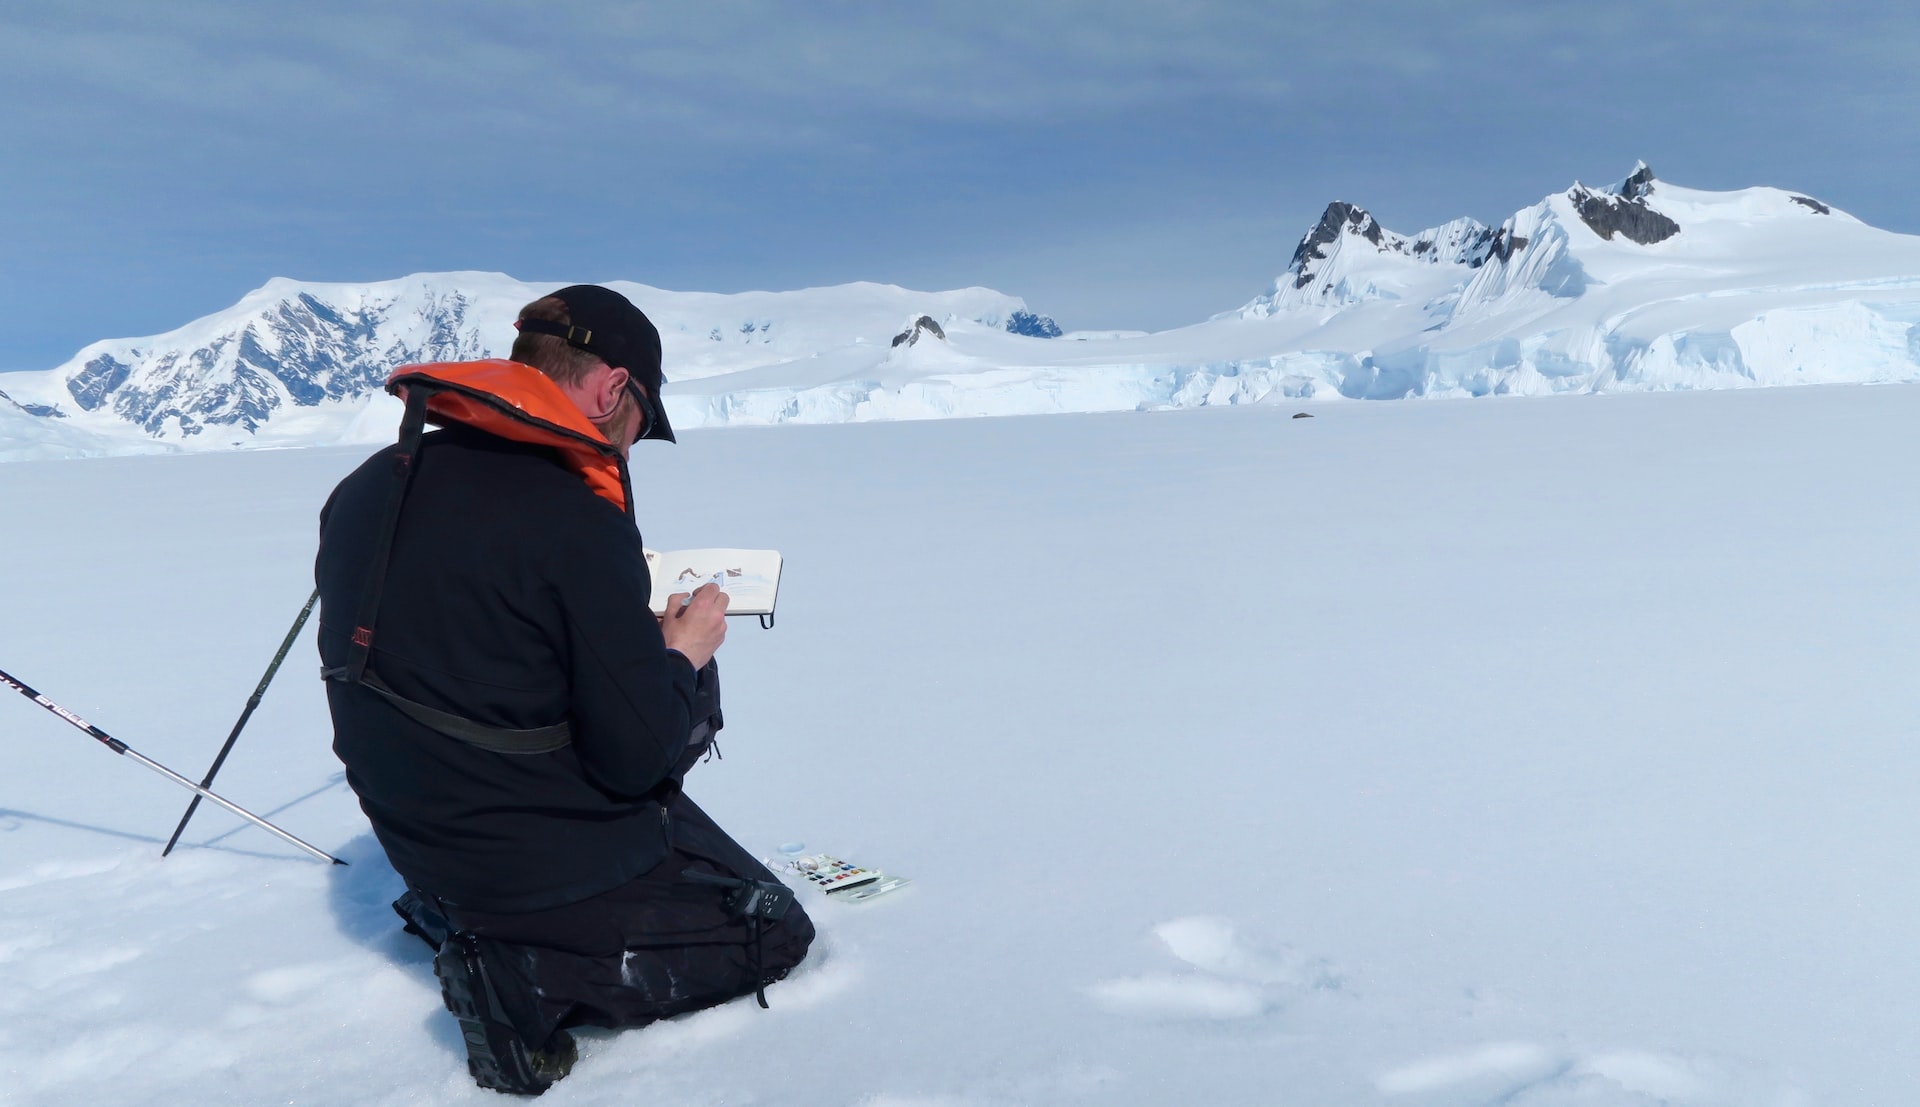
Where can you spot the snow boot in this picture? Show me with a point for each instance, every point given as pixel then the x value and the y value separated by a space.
pixel 497 1055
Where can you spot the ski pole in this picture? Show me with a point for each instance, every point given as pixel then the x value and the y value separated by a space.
pixel 119 747
pixel 253 701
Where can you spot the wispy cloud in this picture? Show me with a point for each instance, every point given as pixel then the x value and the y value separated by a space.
pixel 736 143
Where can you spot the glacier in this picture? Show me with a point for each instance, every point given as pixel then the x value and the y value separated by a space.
pixel 1640 285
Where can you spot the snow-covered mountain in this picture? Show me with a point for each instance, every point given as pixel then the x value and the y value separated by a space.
pixel 1642 285
pixel 1639 285
pixel 298 362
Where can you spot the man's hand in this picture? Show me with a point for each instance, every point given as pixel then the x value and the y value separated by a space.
pixel 697 628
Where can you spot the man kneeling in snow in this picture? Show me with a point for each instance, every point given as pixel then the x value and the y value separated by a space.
pixel 517 722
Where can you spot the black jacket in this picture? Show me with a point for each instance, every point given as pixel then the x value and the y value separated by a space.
pixel 516 598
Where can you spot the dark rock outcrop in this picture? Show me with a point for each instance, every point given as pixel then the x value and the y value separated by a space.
pixel 922 325
pixel 42 410
pixel 1623 210
pixel 1468 243
pixel 1638 185
pixel 1812 205
pixel 96 380
pixel 1503 245
pixel 1333 223
pixel 1032 326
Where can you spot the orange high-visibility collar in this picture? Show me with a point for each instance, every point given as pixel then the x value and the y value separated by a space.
pixel 519 403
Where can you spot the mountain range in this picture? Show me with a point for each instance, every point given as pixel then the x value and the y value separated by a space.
pixel 1639 285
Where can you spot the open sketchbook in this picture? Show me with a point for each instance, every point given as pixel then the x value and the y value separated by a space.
pixel 750 578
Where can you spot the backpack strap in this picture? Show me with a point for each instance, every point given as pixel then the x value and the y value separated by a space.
pixel 411 427
pixel 544 739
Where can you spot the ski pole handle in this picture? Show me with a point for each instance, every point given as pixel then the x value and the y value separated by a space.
pixel 108 740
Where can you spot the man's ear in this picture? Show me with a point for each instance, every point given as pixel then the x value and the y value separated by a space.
pixel 616 383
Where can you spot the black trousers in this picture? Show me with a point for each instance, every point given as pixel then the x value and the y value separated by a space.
pixel 656 946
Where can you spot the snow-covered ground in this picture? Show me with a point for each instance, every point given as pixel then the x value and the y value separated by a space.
pixel 1548 752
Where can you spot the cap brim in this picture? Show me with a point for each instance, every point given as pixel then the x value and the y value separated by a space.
pixel 658 429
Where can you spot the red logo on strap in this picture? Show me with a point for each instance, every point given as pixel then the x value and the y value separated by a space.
pixel 363 637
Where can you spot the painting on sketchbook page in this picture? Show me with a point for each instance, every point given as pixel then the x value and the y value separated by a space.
pixel 750 578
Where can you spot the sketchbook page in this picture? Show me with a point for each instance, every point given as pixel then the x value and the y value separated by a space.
pixel 750 578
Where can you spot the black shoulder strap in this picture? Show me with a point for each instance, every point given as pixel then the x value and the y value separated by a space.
pixel 544 739
pixel 411 427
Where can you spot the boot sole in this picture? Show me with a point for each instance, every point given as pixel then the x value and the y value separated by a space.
pixel 497 1056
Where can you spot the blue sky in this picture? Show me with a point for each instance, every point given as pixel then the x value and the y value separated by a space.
pixel 1117 164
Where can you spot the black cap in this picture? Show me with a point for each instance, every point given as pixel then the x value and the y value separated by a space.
pixel 608 326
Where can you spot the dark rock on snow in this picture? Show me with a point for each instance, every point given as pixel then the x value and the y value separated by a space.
pixel 41 410
pixel 1623 210
pixel 1032 326
pixel 923 325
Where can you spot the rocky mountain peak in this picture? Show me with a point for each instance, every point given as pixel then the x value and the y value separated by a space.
pixel 1340 218
pixel 1638 185
pixel 1461 242
pixel 1623 209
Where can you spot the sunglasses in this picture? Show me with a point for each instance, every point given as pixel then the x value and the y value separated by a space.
pixel 650 420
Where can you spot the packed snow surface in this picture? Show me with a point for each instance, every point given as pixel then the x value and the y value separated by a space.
pixel 1540 753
